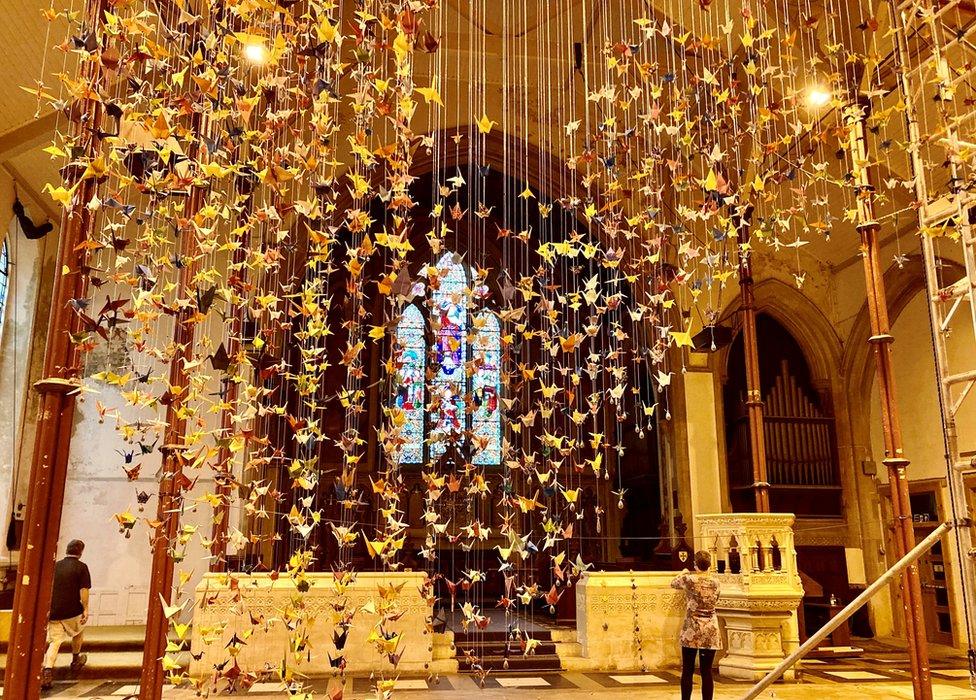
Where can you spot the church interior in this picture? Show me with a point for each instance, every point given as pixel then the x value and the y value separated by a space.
pixel 387 347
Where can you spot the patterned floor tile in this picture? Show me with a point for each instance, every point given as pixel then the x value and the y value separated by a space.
pixel 641 679
pixel 856 676
pixel 524 682
pixel 552 680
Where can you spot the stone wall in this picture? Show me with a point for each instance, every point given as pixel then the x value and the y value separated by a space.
pixel 226 606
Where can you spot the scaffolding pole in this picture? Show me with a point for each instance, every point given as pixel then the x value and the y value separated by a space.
pixel 750 346
pixel 57 389
pixel 172 481
pixel 949 209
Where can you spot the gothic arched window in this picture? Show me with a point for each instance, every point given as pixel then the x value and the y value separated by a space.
pixel 4 278
pixel 464 345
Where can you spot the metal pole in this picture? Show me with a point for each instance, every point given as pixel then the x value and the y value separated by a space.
pixel 172 479
pixel 750 347
pixel 881 339
pixel 939 321
pixel 851 608
pixel 49 462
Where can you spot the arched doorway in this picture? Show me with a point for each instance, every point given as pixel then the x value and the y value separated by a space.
pixel 801 444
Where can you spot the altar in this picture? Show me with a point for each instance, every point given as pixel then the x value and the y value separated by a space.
pixel 625 621
pixel 227 606
pixel 629 620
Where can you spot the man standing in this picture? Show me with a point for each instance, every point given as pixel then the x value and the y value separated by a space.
pixel 69 611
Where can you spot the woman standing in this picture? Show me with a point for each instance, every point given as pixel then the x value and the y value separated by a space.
pixel 699 634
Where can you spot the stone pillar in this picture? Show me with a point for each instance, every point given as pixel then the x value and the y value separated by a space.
pixel 705 460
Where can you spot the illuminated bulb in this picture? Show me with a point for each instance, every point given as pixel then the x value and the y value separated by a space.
pixel 256 53
pixel 818 97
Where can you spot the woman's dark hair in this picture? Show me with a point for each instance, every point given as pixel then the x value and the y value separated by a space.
pixel 75 548
pixel 703 560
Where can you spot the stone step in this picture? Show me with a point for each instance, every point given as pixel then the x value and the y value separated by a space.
pixel 499 648
pixel 108 639
pixel 517 663
pixel 113 665
pixel 114 653
pixel 497 636
pixel 569 649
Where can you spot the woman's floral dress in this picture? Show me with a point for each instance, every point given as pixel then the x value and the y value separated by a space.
pixel 700 630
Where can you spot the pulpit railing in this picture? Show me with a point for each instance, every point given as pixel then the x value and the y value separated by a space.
pixel 759 588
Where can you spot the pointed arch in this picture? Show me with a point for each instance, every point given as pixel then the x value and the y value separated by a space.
pixel 486 389
pixel 464 382
pixel 4 277
pixel 412 368
pixel 803 320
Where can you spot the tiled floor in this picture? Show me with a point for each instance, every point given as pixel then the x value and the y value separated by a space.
pixel 881 673
pixel 555 687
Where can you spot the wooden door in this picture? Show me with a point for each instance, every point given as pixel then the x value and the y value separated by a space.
pixel 933 566
pixel 934 575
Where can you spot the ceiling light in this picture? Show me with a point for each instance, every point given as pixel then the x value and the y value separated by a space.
pixel 818 97
pixel 256 53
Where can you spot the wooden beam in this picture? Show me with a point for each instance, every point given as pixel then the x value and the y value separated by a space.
pixel 27 136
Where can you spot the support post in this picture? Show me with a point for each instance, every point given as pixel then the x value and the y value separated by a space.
pixel 750 347
pixel 881 339
pixel 57 389
pixel 172 480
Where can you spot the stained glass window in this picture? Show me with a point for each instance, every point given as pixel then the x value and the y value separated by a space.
pixel 4 278
pixel 465 389
pixel 412 348
pixel 485 390
pixel 450 311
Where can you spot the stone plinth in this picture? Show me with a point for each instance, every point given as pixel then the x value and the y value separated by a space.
pixel 222 612
pixel 610 605
pixel 755 560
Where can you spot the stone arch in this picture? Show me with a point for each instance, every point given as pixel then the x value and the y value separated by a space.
pixel 545 172
pixel 902 283
pixel 822 350
pixel 804 320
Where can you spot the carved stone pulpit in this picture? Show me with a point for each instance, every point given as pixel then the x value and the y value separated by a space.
pixel 754 557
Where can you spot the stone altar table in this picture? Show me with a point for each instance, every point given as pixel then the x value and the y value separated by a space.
pixel 217 617
pixel 629 620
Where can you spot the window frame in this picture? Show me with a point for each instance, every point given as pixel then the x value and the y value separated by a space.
pixel 424 306
pixel 5 280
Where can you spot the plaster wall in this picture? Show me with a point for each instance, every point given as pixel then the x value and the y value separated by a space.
pixel 97 489
pixel 30 261
pixel 917 391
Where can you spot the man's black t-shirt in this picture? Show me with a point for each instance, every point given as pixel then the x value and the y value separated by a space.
pixel 70 576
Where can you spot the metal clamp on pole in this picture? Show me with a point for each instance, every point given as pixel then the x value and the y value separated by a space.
pixel 852 607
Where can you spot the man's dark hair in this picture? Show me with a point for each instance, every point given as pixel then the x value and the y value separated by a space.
pixel 75 548
pixel 703 560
